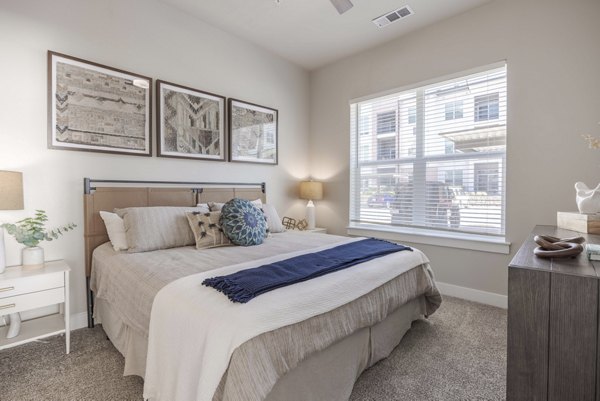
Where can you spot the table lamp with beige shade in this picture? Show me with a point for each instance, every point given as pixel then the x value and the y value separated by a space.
pixel 311 191
pixel 11 198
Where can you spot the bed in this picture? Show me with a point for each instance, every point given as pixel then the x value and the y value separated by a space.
pixel 316 357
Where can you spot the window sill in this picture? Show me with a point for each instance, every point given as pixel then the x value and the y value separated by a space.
pixel 473 242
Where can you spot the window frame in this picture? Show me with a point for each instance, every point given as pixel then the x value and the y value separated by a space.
pixel 456 239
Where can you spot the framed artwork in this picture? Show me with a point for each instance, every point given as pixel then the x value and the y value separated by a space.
pixel 191 123
pixel 252 133
pixel 92 107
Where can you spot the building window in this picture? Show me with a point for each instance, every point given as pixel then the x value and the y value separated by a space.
pixel 487 177
pixel 386 122
pixel 412 115
pixel 386 149
pixel 453 110
pixel 443 171
pixel 454 178
pixel 487 107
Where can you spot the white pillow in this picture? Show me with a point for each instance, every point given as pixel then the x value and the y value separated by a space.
pixel 204 206
pixel 115 227
pixel 273 220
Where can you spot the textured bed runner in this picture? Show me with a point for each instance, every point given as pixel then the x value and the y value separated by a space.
pixel 245 285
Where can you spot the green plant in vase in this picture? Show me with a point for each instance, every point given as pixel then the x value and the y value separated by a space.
pixel 30 232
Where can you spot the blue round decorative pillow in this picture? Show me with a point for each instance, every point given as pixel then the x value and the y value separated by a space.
pixel 243 223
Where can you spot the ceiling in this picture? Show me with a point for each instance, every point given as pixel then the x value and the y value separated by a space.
pixel 311 33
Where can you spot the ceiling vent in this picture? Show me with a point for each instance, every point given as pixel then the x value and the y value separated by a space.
pixel 393 16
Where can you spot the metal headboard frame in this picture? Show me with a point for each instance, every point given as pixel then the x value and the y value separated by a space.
pixel 88 187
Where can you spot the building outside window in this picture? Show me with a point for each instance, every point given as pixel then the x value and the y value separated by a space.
pixel 444 161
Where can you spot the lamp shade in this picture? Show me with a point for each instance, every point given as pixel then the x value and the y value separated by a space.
pixel 311 190
pixel 11 190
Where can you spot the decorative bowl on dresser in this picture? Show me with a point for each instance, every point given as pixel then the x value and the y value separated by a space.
pixel 553 306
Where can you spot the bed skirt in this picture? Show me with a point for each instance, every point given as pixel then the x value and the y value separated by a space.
pixel 331 372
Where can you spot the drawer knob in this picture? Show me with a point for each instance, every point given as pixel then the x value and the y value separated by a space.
pixel 6 289
pixel 7 306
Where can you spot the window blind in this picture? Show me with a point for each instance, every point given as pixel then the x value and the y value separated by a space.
pixel 433 156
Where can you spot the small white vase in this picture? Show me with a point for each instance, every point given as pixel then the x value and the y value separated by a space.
pixel 32 257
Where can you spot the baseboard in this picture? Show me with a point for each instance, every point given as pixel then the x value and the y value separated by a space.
pixel 470 294
pixel 78 320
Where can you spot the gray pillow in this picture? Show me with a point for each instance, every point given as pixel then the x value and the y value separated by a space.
pixel 162 227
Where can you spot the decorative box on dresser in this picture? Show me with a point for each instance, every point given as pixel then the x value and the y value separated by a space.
pixel 553 324
pixel 25 289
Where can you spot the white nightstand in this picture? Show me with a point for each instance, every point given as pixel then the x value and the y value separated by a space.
pixel 25 289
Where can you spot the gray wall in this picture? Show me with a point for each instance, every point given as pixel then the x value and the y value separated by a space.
pixel 553 59
pixel 151 39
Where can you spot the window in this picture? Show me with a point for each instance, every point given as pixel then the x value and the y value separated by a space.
pixel 386 122
pixel 487 107
pixel 486 178
pixel 442 169
pixel 412 115
pixel 454 110
pixel 386 149
pixel 454 178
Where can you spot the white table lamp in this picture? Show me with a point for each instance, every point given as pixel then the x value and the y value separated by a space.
pixel 11 198
pixel 311 191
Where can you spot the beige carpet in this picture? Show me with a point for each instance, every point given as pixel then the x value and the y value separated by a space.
pixel 458 354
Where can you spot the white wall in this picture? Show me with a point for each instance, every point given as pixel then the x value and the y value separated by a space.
pixel 151 39
pixel 553 60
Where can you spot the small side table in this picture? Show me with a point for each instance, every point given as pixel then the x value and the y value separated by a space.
pixel 24 289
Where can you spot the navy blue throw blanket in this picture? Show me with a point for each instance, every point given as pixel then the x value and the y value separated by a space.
pixel 246 284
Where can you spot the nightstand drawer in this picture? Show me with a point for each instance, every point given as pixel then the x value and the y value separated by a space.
pixel 31 301
pixel 25 285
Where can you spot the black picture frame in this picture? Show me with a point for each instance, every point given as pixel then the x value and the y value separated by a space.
pixel 96 108
pixel 190 136
pixel 253 133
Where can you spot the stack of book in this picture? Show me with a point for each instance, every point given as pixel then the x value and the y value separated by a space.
pixel 593 251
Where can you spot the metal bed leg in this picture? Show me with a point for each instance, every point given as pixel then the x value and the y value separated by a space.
pixel 90 304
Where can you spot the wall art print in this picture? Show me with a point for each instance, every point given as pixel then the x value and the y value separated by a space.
pixel 92 107
pixel 252 133
pixel 191 123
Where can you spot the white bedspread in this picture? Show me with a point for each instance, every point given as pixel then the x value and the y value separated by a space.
pixel 195 329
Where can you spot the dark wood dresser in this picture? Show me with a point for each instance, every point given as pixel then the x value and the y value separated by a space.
pixel 553 324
